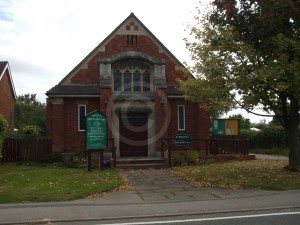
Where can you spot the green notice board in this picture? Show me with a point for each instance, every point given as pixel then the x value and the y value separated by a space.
pixel 219 127
pixel 96 131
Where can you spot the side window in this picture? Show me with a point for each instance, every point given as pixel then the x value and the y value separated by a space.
pixel 181 117
pixel 81 117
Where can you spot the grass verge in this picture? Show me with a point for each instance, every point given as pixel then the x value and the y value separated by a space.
pixel 261 174
pixel 41 184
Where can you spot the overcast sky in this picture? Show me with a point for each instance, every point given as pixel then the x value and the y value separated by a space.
pixel 43 40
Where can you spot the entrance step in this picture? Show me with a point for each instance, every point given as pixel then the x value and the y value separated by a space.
pixel 141 163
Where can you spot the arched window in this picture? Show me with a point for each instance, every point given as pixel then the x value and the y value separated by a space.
pixel 131 76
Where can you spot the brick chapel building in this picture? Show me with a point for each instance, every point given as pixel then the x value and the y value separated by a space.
pixel 131 77
pixel 7 95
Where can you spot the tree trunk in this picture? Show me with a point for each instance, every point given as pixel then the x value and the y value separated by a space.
pixel 292 131
pixel 294 148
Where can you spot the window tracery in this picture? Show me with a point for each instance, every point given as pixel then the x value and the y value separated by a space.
pixel 131 75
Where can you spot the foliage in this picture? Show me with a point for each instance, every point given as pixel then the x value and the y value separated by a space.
pixel 268 138
pixel 247 53
pixel 263 174
pixel 261 124
pixel 244 122
pixel 30 112
pixel 3 126
pixel 36 184
pixel 191 157
pixel 31 130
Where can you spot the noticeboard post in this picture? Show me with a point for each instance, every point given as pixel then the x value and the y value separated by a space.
pixel 96 135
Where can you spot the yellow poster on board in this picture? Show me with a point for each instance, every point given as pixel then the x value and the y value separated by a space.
pixel 231 127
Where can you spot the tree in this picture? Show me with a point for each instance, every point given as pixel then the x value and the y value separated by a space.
pixel 3 126
pixel 30 112
pixel 247 53
pixel 244 122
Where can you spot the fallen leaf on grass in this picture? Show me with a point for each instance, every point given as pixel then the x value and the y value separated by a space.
pixel 95 195
pixel 127 186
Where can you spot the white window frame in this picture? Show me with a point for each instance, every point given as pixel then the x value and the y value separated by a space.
pixel 79 128
pixel 179 122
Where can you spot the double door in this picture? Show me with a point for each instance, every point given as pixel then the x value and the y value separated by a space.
pixel 133 134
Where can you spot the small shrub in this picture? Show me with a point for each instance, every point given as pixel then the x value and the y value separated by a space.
pixel 52 158
pixel 3 126
pixel 191 157
pixel 209 162
pixel 179 162
pixel 31 130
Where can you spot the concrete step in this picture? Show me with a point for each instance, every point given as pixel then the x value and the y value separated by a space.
pixel 142 166
pixel 140 163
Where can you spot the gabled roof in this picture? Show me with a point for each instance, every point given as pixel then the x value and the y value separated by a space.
pixel 92 90
pixel 4 66
pixel 131 17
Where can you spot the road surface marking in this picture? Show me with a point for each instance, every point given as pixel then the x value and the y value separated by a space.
pixel 206 219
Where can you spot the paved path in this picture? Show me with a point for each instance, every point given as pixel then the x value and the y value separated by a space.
pixel 272 157
pixel 163 185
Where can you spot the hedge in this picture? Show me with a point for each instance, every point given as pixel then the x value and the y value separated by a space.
pixel 271 137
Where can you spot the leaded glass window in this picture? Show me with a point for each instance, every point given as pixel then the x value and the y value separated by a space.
pixel 137 81
pixel 131 75
pixel 127 81
pixel 146 81
pixel 117 80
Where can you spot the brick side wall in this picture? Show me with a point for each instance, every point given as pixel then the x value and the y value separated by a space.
pixel 7 101
pixel 74 139
pixel 57 126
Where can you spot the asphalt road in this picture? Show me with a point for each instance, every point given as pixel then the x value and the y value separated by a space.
pixel 274 217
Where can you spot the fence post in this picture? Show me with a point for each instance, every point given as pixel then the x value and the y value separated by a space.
pixel 206 147
pixel 162 148
pixel 113 149
pixel 170 154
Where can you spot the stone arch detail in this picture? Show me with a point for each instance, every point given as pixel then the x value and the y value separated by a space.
pixel 105 67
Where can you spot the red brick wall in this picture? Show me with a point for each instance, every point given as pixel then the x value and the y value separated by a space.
pixel 196 122
pixel 57 126
pixel 7 100
pixel 74 139
pixel 119 44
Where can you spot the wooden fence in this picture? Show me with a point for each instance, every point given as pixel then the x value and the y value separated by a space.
pixel 26 149
pixel 208 146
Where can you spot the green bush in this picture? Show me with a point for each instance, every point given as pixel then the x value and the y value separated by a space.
pixel 191 157
pixel 3 126
pixel 270 137
pixel 31 130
